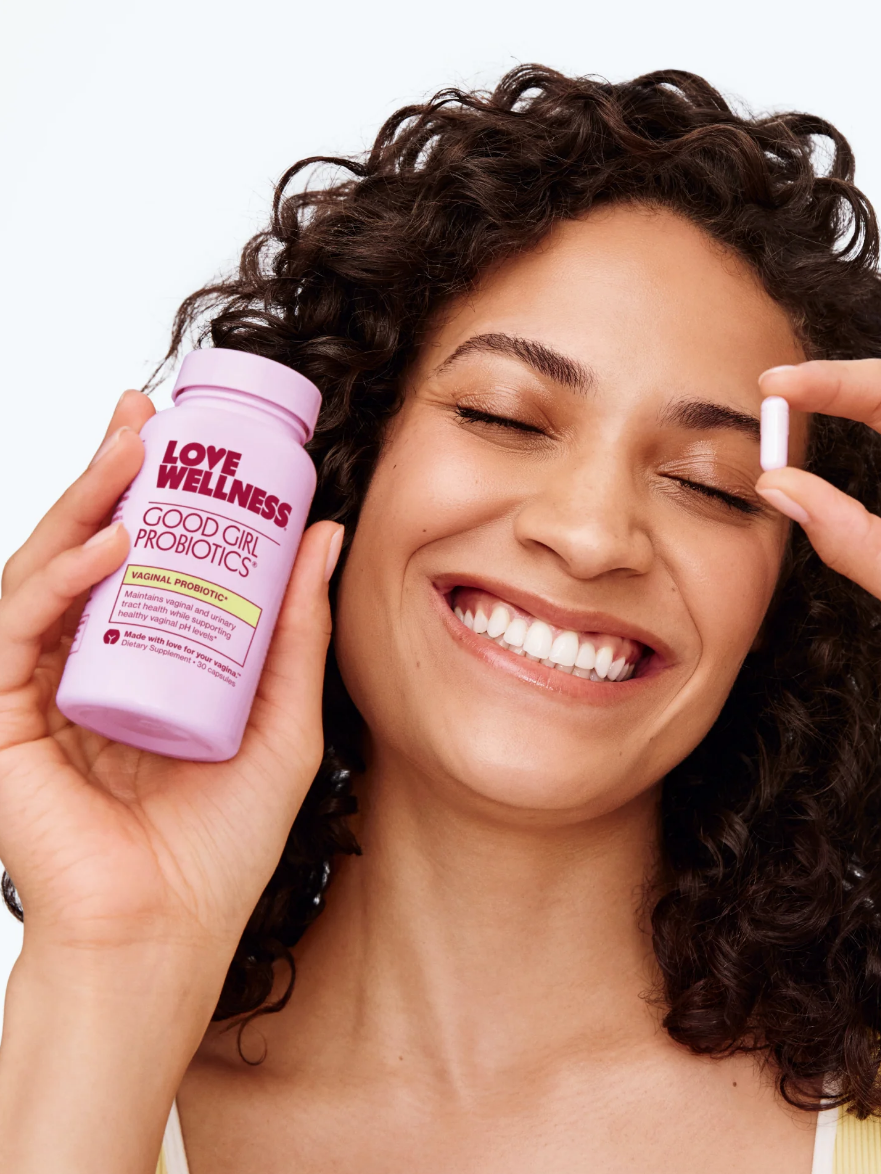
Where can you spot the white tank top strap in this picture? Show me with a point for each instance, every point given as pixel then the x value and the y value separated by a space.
pixel 173 1158
pixel 846 1145
pixel 824 1142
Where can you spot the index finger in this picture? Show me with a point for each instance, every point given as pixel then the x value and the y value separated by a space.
pixel 133 409
pixel 836 387
pixel 84 504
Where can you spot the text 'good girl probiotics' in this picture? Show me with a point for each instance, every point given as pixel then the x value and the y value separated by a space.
pixel 170 647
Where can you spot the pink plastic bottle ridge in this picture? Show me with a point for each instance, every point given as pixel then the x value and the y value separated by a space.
pixel 170 647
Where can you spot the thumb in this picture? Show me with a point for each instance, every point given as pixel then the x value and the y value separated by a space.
pixel 841 530
pixel 285 722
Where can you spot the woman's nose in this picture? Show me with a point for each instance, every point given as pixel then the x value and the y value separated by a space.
pixel 590 514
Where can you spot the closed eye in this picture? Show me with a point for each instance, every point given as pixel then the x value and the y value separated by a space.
pixel 476 416
pixel 730 499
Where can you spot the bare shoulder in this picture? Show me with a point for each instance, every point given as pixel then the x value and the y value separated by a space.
pixel 663 1110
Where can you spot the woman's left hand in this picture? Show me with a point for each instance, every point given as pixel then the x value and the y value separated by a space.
pixel 842 531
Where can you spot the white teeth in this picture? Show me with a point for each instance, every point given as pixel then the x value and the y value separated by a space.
pixel 539 639
pixel 596 659
pixel 592 675
pixel 498 621
pixel 565 649
pixel 603 660
pixel 586 657
pixel 515 633
pixel 616 669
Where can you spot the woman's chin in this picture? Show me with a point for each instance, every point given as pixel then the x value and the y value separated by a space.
pixel 509 780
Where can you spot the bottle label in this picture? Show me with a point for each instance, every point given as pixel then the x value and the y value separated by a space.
pixel 204 469
pixel 188 590
pixel 181 605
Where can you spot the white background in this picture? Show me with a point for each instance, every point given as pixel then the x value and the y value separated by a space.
pixel 140 143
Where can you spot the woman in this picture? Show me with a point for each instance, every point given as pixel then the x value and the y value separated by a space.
pixel 609 719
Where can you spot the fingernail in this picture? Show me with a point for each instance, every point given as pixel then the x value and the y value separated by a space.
pixel 774 370
pixel 785 505
pixel 108 444
pixel 104 535
pixel 333 553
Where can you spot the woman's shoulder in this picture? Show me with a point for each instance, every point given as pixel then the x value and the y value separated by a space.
pixel 857 1148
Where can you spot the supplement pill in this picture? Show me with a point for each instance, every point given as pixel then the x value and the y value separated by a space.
pixel 774 448
pixel 170 647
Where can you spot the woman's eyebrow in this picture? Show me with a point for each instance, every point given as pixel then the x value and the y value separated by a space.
pixel 697 415
pixel 535 354
pixel 703 414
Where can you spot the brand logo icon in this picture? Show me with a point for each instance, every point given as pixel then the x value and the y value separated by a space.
pixel 111 635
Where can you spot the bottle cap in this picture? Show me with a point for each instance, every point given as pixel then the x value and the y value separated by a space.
pixel 255 375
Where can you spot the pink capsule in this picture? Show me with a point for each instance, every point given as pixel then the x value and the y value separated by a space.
pixel 774 448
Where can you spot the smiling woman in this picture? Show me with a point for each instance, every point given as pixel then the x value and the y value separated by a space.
pixel 597 493
pixel 599 789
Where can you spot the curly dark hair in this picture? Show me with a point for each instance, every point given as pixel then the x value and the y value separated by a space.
pixel 766 927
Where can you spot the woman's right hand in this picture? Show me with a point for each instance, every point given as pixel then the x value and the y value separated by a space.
pixel 109 846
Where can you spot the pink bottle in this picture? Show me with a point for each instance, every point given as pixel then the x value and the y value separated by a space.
pixel 170 647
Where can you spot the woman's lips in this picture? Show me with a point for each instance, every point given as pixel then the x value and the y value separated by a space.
pixel 646 663
pixel 541 607
pixel 597 656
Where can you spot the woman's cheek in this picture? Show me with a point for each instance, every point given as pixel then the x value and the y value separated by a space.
pixel 727 578
pixel 434 480
pixel 424 488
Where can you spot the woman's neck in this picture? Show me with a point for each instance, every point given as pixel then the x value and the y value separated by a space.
pixel 471 942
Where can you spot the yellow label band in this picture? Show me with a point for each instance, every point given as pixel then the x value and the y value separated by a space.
pixel 211 594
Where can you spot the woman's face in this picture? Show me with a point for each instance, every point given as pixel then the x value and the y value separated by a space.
pixel 572 469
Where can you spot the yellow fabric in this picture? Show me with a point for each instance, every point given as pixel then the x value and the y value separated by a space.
pixel 857 1145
